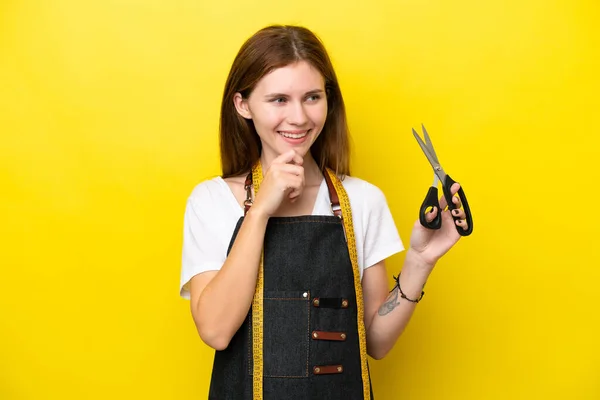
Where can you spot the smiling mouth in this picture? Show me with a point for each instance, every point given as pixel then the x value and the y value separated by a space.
pixel 293 135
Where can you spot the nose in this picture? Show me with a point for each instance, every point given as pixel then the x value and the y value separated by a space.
pixel 297 114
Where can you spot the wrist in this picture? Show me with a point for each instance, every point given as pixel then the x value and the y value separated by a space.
pixel 410 292
pixel 412 278
pixel 257 215
pixel 415 260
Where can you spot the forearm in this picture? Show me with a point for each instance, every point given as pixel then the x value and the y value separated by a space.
pixel 394 314
pixel 224 303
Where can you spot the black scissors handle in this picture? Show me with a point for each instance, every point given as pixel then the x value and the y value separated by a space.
pixel 431 200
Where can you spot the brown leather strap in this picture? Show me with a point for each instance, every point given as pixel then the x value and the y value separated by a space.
pixel 322 335
pixel 248 187
pixel 327 369
pixel 333 197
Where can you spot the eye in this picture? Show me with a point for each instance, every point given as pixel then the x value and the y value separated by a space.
pixel 278 100
pixel 313 97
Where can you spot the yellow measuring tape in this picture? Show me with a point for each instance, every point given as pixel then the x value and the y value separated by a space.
pixel 257 301
pixel 257 308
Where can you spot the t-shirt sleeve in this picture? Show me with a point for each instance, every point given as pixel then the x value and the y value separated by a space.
pixel 202 248
pixel 382 239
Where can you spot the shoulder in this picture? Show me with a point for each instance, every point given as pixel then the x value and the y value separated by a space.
pixel 208 190
pixel 211 194
pixel 211 206
pixel 362 193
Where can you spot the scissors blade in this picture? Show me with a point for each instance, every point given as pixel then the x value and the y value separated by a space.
pixel 429 144
pixel 432 159
pixel 430 154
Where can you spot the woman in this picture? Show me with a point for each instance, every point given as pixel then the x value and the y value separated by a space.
pixel 284 254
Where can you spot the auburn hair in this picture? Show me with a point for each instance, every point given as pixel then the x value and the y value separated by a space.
pixel 274 47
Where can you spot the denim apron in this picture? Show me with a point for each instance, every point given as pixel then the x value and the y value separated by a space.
pixel 304 336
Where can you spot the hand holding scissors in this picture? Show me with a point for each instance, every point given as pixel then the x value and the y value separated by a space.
pixel 431 200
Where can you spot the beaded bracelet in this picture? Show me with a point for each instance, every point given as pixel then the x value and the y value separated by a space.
pixel 397 279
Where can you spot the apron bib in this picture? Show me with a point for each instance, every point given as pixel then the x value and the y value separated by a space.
pixel 304 336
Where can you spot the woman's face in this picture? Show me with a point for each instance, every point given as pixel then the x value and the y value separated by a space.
pixel 288 107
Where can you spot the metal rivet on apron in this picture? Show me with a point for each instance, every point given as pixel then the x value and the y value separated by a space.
pixel 345 303
pixel 343 336
pixel 305 295
pixel 317 370
pixel 339 369
pixel 315 335
pixel 316 302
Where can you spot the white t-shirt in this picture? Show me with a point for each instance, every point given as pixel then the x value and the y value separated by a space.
pixel 212 213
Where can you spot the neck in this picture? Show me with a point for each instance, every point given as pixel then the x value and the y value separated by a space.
pixel 312 174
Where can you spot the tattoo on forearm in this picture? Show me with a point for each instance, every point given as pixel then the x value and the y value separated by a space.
pixel 390 304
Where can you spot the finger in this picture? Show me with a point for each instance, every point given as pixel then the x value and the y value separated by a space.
pixel 289 157
pixel 296 185
pixel 291 169
pixel 292 181
pixel 456 201
pixel 430 216
pixel 284 157
pixel 297 158
pixel 453 189
pixel 462 223
pixel 459 213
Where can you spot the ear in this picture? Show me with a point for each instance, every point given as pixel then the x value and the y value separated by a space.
pixel 241 105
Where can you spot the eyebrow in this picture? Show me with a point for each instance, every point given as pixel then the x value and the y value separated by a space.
pixel 314 91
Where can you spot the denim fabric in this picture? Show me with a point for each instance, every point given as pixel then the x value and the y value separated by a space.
pixel 305 257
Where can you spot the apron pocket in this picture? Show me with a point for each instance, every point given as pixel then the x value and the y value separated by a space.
pixel 286 334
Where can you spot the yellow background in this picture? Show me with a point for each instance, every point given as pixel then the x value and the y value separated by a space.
pixel 109 117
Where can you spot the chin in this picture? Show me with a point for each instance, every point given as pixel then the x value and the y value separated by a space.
pixel 301 150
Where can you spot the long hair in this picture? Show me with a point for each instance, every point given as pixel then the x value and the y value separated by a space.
pixel 274 47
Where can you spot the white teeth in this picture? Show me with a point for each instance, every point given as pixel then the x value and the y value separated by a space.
pixel 293 135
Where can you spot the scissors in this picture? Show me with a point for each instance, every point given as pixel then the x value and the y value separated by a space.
pixel 431 200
